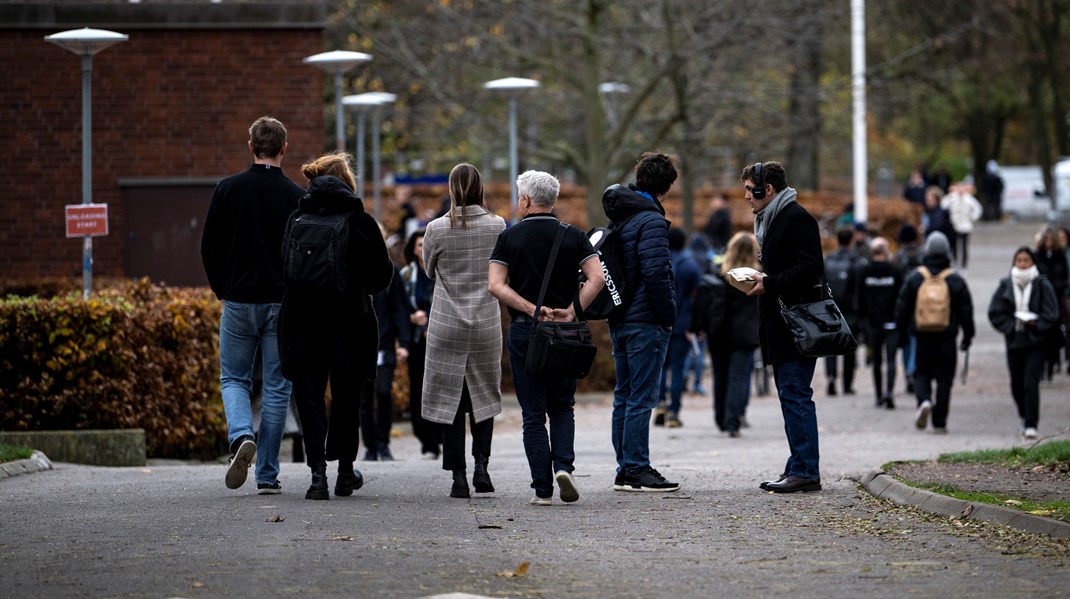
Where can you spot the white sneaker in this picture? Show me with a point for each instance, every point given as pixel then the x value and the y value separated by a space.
pixel 921 420
pixel 238 470
pixel 566 485
pixel 536 500
pixel 1030 433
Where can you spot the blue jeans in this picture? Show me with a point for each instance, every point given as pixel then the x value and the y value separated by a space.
pixel 793 379
pixel 675 360
pixel 639 354
pixel 540 398
pixel 696 363
pixel 242 329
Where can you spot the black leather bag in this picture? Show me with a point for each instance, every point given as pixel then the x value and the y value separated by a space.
pixel 819 328
pixel 559 350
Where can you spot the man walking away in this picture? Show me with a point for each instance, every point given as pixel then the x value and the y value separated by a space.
pixel 790 252
pixel 640 336
pixel 241 249
pixel 880 281
pixel 841 267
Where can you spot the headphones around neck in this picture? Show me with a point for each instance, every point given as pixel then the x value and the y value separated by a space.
pixel 758 192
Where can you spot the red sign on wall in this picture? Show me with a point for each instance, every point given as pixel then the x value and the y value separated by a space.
pixel 87 220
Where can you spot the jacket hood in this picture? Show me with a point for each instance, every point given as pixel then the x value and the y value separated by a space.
pixel 329 195
pixel 621 202
pixel 936 263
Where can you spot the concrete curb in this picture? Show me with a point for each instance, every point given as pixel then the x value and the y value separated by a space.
pixel 35 463
pixel 883 486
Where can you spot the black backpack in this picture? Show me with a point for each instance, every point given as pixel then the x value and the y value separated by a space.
pixel 841 273
pixel 315 247
pixel 708 310
pixel 613 300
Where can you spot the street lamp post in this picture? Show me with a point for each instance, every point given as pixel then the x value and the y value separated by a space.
pixel 361 103
pixel 512 85
pixel 337 63
pixel 86 43
pixel 607 89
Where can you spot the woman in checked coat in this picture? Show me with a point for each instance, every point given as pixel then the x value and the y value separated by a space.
pixel 463 370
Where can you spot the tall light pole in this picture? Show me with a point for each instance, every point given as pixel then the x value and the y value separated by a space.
pixel 512 85
pixel 86 43
pixel 858 93
pixel 337 63
pixel 607 89
pixel 362 103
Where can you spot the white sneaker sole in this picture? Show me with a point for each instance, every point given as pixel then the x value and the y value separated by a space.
pixel 238 470
pixel 566 485
pixel 541 500
pixel 631 489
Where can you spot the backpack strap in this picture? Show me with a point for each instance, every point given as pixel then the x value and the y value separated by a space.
pixel 546 277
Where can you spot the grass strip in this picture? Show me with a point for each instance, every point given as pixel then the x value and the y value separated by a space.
pixel 9 453
pixel 1057 509
pixel 1048 454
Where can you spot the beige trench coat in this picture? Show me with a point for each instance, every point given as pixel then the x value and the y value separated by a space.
pixel 464 332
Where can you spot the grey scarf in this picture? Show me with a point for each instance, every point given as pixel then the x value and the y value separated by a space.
pixel 764 219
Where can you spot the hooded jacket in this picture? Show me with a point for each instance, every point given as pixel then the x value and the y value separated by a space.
pixel 315 324
pixel 645 239
pixel 1042 302
pixel 961 303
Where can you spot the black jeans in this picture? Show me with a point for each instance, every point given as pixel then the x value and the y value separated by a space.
pixel 453 435
pixel 332 437
pixel 936 360
pixel 882 346
pixel 377 409
pixel 1026 367
pixel 428 433
pixel 849 361
pixel 540 399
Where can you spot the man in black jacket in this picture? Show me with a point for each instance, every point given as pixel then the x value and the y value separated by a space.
pixel 880 281
pixel 241 249
pixel 790 252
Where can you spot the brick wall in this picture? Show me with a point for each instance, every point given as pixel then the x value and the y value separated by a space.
pixel 168 103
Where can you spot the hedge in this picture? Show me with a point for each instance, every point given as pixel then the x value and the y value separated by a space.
pixel 137 355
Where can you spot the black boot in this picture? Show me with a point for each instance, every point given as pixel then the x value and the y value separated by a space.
pixel 480 477
pixel 319 489
pixel 349 480
pixel 460 485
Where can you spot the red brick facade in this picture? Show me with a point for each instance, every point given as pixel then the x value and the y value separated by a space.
pixel 172 103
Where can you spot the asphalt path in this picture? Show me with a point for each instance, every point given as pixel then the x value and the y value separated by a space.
pixel 175 530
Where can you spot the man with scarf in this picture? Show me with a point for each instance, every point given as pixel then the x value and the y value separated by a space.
pixel 789 246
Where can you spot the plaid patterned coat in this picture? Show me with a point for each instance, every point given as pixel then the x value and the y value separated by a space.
pixel 464 334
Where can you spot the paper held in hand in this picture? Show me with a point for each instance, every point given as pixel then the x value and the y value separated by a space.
pixel 742 278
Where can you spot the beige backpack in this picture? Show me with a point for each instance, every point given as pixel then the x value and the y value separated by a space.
pixel 932 310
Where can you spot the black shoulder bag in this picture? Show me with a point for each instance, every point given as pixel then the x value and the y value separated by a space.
pixel 818 328
pixel 559 350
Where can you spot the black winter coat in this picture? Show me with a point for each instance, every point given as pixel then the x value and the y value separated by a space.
pixel 645 239
pixel 392 313
pixel 1055 268
pixel 1042 302
pixel 728 316
pixel 315 325
pixel 793 264
pixel 879 284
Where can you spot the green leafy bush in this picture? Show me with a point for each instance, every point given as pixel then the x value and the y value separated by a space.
pixel 136 355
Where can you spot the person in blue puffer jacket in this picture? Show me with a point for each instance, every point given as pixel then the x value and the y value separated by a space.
pixel 640 336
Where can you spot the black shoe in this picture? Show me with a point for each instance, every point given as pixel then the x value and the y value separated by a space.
pixel 460 485
pixel 480 476
pixel 880 402
pixel 889 402
pixel 244 456
pixel 319 489
pixel 910 388
pixel 765 483
pixel 618 482
pixel 648 480
pixel 384 453
pixel 349 479
pixel 268 488
pixel 371 455
pixel 795 484
pixel 659 416
pixel 848 391
pixel 832 389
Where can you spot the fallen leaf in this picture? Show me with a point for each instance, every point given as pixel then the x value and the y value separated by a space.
pixel 276 518
pixel 521 570
pixel 146 471
pixel 966 512
pixel 1013 502
pixel 342 538
pixel 1041 512
pixel 498 526
pixel 198 585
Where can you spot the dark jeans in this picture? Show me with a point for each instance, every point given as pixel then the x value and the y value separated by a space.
pixel 675 360
pixel 883 344
pixel 333 437
pixel 793 379
pixel 849 363
pixel 962 244
pixel 453 435
pixel 377 409
pixel 731 386
pixel 428 433
pixel 935 361
pixel 1026 366
pixel 541 398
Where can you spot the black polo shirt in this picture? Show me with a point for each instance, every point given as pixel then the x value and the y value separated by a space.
pixel 524 249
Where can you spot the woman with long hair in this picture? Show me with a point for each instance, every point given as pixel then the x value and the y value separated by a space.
pixel 463 371
pixel 1052 263
pixel 419 289
pixel 1025 309
pixel 331 332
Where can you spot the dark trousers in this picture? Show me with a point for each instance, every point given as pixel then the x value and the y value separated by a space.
pixel 935 361
pixel 849 362
pixel 882 347
pixel 453 435
pixel 1026 367
pixel 428 433
pixel 377 409
pixel 331 436
pixel 962 244
pixel 541 399
pixel 675 359
pixel 731 386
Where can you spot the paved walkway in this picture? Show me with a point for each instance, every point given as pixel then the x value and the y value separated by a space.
pixel 176 531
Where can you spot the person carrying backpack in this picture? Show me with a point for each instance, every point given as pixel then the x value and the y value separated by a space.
pixel 934 304
pixel 334 259
pixel 841 271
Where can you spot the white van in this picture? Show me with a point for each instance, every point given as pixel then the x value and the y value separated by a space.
pixel 1024 194
pixel 1060 180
